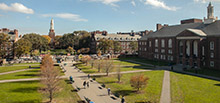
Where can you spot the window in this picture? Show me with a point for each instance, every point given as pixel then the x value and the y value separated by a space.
pixel 156 42
pixel 195 48
pixel 156 50
pixel 170 51
pixel 145 49
pixel 139 43
pixel 170 43
pixel 203 51
pixel 212 64
pixel 162 50
pixel 149 43
pixel 162 43
pixel 212 55
pixel 211 45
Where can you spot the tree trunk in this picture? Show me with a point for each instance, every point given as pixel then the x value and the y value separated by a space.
pixel 51 96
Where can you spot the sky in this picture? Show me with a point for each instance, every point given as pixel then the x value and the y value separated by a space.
pixel 33 16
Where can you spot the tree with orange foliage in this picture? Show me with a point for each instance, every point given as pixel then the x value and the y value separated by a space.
pixel 47 37
pixel 50 78
pixel 86 59
pixel 138 81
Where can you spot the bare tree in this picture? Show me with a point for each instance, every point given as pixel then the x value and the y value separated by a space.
pixel 99 65
pixel 50 78
pixel 119 75
pixel 108 66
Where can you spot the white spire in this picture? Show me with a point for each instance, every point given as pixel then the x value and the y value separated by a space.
pixel 52 24
pixel 210 11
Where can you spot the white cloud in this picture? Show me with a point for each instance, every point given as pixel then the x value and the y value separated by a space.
pixel 205 1
pixel 107 2
pixel 133 3
pixel 16 7
pixel 160 4
pixel 69 16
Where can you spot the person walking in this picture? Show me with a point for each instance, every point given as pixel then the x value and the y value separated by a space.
pixel 123 99
pixel 109 91
pixel 84 84
pixel 88 76
pixel 87 84
pixel 71 78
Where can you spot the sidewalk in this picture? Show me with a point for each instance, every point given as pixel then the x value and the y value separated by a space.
pixel 95 92
pixel 165 93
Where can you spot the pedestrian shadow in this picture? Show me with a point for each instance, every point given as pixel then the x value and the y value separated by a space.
pixel 32 75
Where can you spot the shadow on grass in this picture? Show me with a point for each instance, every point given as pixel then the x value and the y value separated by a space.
pixel 26 82
pixel 123 92
pixel 217 84
pixel 32 75
pixel 28 101
pixel 26 90
pixel 34 71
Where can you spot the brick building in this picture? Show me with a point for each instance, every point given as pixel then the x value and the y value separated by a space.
pixel 123 39
pixel 13 34
pixel 193 43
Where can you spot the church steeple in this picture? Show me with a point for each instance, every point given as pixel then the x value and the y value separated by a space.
pixel 51 31
pixel 210 11
pixel 51 24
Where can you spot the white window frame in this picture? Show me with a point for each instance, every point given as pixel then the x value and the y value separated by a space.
pixel 156 42
pixel 212 44
pixel 170 43
pixel 162 43
pixel 212 63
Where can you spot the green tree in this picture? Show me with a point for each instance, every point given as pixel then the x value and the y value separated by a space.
pixel 105 45
pixel 38 42
pixel 22 46
pixel 56 41
pixel 66 40
pixel 4 41
pixel 116 47
pixel 82 39
pixel 134 46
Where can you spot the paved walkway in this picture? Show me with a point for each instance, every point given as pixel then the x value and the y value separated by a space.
pixel 165 94
pixel 95 92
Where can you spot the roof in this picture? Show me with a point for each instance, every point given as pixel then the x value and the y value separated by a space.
pixel 201 29
pixel 118 37
pixel 198 32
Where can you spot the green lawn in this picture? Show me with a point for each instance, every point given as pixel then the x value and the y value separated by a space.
pixel 20 92
pixel 192 89
pixel 125 66
pixel 27 92
pixel 12 68
pixel 26 63
pixel 151 93
pixel 34 73
pixel 209 72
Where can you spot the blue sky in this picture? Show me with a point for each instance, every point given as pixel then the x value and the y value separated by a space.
pixel 112 15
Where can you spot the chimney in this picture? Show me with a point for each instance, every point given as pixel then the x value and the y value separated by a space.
pixel 159 26
pixel 165 25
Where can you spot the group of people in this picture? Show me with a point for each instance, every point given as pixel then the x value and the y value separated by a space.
pixel 86 84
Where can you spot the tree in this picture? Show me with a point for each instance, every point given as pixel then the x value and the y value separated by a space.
pixel 70 50
pixel 134 46
pixel 84 50
pixel 119 75
pixel 105 45
pixel 47 37
pixel 138 81
pixel 22 46
pixel 50 78
pixel 82 39
pixel 66 40
pixel 4 41
pixel 98 64
pixel 108 66
pixel 38 42
pixel 116 47
pixel 86 59
pixel 56 41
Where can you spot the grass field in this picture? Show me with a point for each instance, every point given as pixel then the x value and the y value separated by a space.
pixel 125 66
pixel 209 72
pixel 25 63
pixel 151 93
pixel 12 68
pixel 192 89
pixel 34 73
pixel 27 92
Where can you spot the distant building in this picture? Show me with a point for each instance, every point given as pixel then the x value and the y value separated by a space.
pixel 193 43
pixel 13 34
pixel 123 39
pixel 51 31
